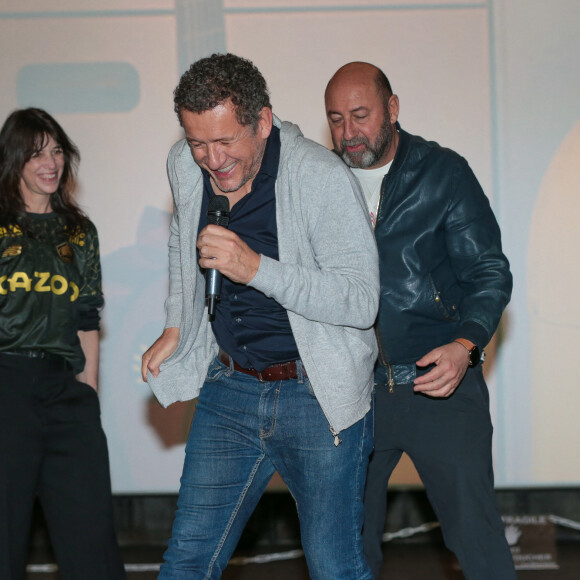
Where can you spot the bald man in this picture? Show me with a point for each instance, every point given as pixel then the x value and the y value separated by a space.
pixel 444 285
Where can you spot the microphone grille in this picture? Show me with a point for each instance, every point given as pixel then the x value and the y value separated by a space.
pixel 218 210
pixel 219 203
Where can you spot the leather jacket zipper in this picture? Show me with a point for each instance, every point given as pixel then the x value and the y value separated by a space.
pixel 390 382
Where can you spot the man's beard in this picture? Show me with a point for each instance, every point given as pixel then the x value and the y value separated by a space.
pixel 373 153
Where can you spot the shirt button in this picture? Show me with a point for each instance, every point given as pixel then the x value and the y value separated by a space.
pixel 244 347
pixel 235 296
pixel 238 320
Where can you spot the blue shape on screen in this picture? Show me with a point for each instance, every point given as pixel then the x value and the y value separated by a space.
pixel 79 87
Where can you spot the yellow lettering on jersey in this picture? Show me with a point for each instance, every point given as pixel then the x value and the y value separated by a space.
pixel 19 280
pixel 43 282
pixel 75 292
pixel 41 285
pixel 10 231
pixel 58 284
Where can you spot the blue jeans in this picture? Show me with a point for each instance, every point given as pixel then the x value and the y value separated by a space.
pixel 243 431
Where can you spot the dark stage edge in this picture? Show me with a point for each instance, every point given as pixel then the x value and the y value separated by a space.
pixel 404 560
pixel 144 524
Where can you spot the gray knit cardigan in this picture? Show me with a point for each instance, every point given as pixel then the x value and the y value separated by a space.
pixel 326 278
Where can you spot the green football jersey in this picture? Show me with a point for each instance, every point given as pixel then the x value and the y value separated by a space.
pixel 48 283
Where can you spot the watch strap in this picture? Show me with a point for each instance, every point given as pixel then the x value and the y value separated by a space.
pixel 473 354
pixel 467 344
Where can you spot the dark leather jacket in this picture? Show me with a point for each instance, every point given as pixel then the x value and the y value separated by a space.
pixel 443 273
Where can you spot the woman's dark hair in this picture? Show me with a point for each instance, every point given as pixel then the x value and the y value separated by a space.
pixel 24 133
pixel 211 81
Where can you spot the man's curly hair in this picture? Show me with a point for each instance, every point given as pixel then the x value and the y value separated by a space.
pixel 211 81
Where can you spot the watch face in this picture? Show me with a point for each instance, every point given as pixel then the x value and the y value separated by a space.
pixel 474 356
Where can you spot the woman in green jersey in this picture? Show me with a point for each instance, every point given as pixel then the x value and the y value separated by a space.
pixel 52 446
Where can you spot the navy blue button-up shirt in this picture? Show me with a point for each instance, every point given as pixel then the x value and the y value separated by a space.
pixel 253 329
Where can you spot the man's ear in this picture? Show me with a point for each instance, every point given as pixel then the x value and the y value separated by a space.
pixel 265 122
pixel 393 107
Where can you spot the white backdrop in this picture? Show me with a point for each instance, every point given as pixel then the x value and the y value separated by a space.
pixel 497 80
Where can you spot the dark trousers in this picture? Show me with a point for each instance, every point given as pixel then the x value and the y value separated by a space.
pixel 52 447
pixel 449 442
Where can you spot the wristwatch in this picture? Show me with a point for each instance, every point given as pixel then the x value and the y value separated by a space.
pixel 472 349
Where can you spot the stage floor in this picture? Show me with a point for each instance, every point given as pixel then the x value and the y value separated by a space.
pixel 403 561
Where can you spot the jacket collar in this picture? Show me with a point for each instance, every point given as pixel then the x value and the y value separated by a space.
pixel 402 149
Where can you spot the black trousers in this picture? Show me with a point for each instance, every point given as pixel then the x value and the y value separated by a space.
pixel 52 446
pixel 449 442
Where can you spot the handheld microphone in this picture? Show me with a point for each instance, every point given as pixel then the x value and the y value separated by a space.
pixel 218 213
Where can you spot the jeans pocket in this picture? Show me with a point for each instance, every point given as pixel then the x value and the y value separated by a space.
pixel 215 371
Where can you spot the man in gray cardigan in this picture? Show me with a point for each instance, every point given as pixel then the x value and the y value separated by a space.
pixel 284 371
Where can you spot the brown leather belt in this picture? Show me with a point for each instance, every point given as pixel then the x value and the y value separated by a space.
pixel 278 372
